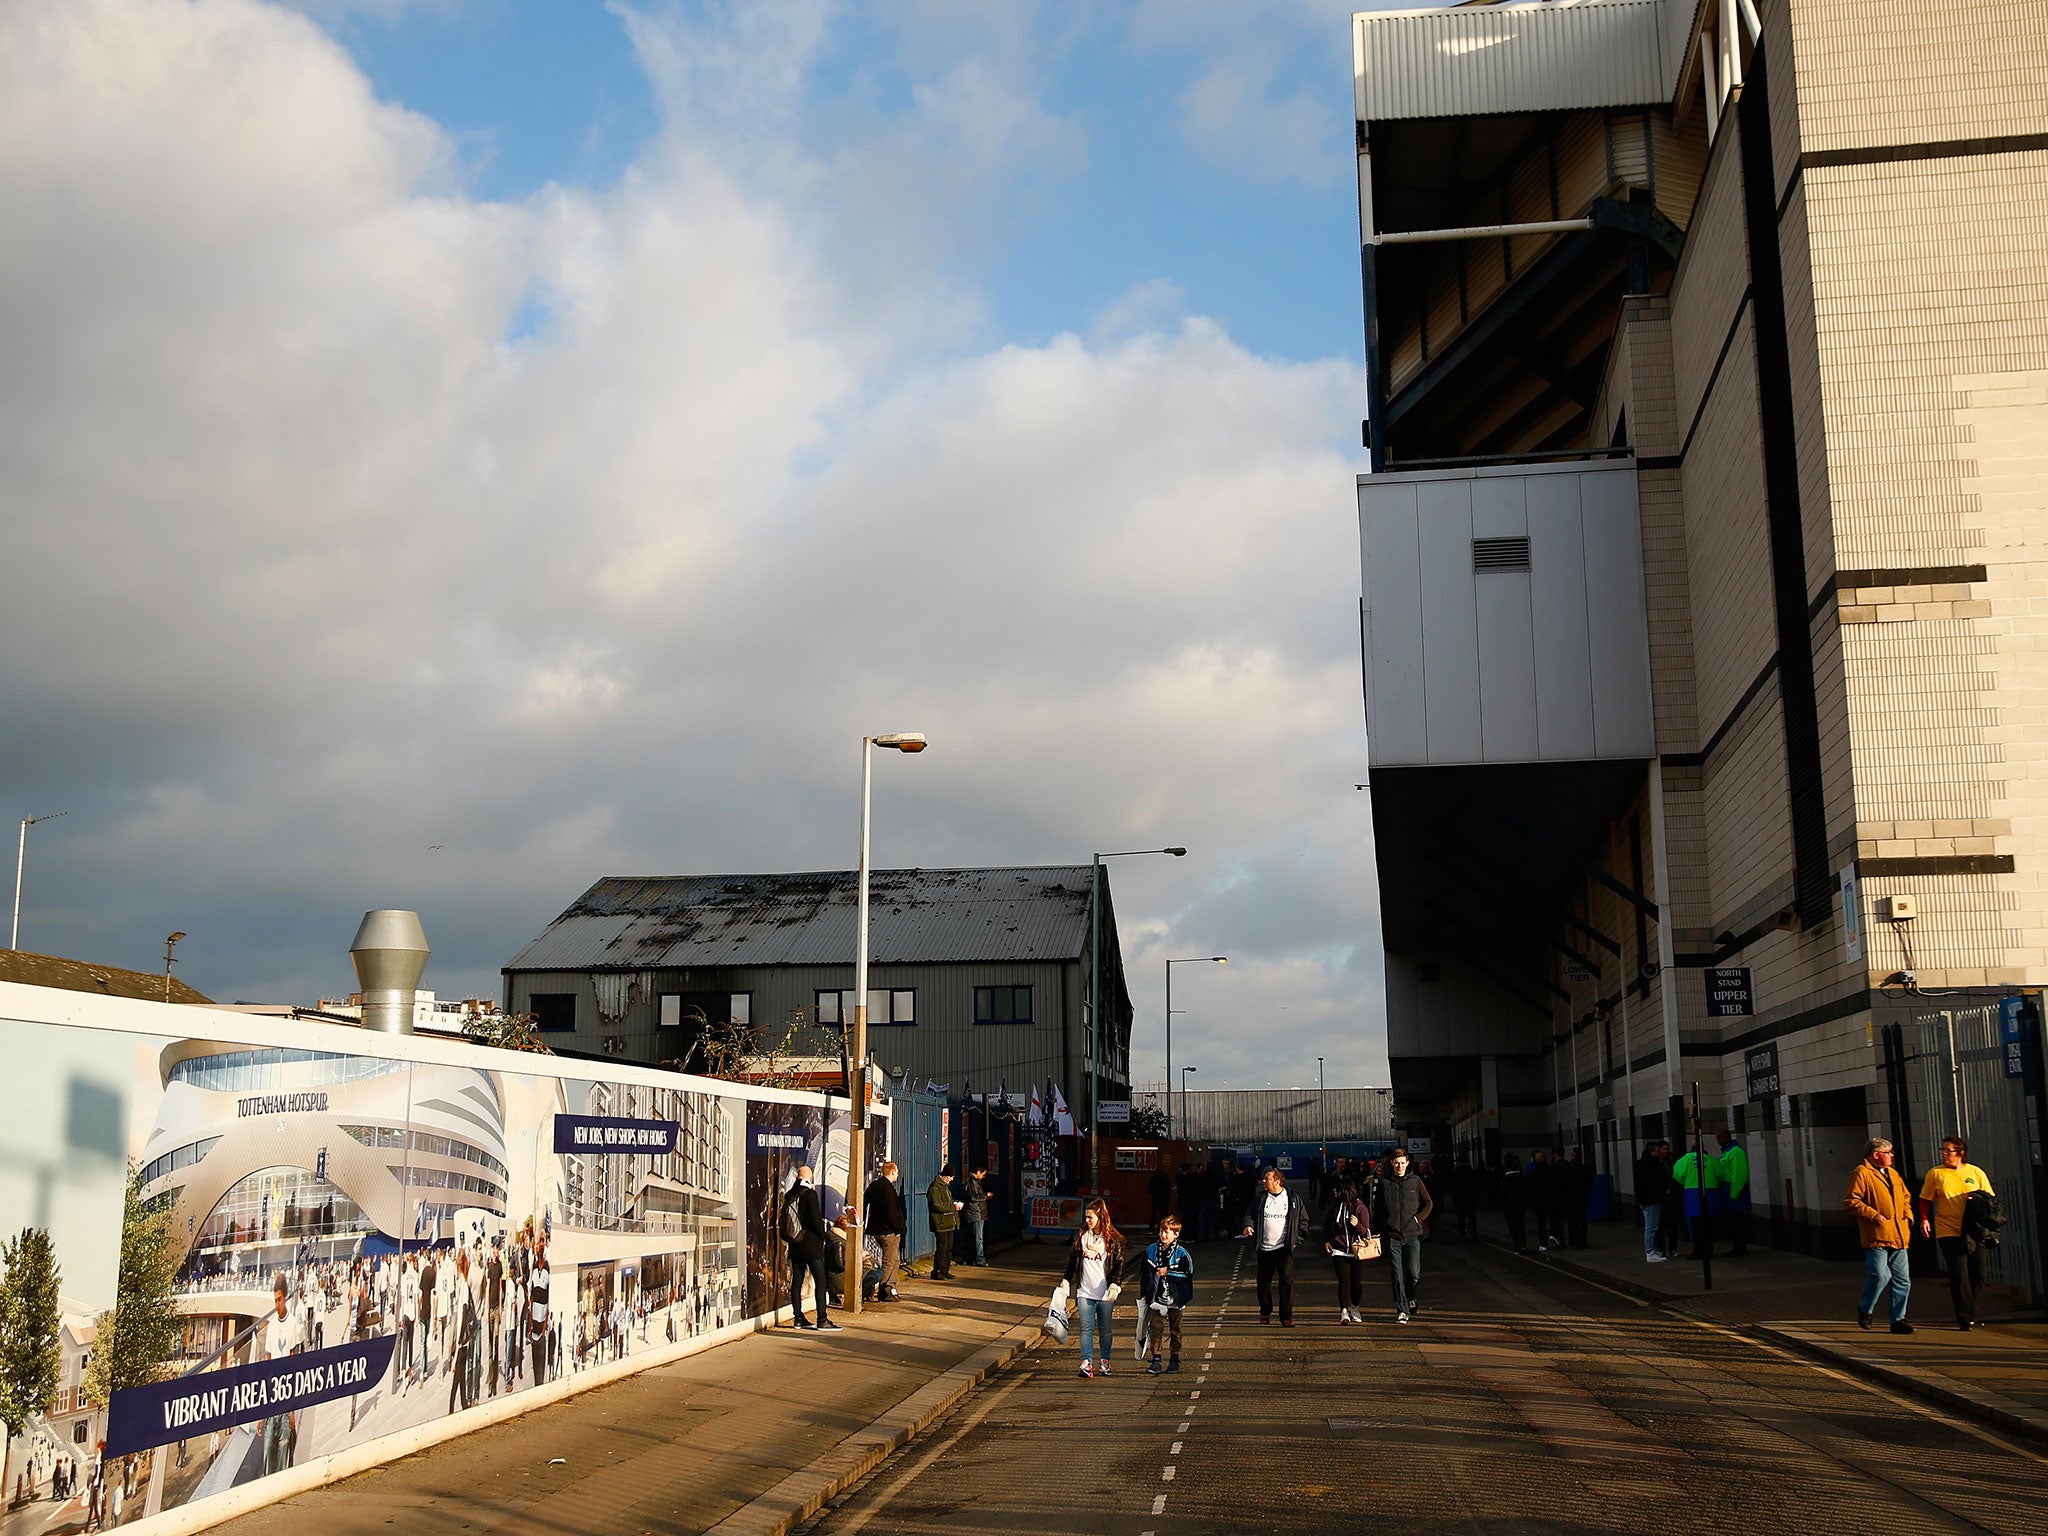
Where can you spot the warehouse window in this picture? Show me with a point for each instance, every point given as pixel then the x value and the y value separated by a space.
pixel 886 1005
pixel 553 1011
pixel 1002 1005
pixel 673 1010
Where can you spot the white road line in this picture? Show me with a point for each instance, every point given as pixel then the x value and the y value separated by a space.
pixel 1176 1448
pixel 1166 1474
pixel 1183 1427
pixel 1159 1504
pixel 1193 1395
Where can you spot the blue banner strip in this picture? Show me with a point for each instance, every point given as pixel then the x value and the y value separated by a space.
pixel 187 1407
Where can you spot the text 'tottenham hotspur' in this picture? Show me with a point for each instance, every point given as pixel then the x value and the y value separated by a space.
pixel 281 1104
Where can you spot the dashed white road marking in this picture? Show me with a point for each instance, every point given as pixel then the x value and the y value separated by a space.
pixel 1159 1504
pixel 1176 1448
pixel 1166 1474
pixel 1183 1427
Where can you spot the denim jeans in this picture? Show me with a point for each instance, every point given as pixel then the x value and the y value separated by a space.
pixel 1886 1267
pixel 1653 1222
pixel 1404 1260
pixel 1094 1330
pixel 975 1245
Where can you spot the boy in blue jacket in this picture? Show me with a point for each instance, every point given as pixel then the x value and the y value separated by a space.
pixel 1167 1275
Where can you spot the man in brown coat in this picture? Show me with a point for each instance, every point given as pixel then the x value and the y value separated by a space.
pixel 1883 1208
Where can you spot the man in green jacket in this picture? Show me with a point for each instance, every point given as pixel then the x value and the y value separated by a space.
pixel 1698 1176
pixel 945 1217
pixel 1734 1190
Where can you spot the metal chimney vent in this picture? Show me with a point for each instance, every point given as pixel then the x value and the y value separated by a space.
pixel 1507 554
pixel 390 953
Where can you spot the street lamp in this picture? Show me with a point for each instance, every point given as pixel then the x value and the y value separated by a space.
pixel 1095 1004
pixel 1322 1120
pixel 1184 1071
pixel 20 857
pixel 1188 960
pixel 857 1089
pixel 170 959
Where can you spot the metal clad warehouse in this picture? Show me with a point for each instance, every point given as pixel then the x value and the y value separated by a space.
pixel 976 975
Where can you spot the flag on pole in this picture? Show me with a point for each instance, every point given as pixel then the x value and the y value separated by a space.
pixel 1035 1115
pixel 1062 1117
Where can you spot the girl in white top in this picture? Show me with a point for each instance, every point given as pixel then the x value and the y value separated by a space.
pixel 1095 1267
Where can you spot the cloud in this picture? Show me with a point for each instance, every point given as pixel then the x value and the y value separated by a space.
pixel 371 544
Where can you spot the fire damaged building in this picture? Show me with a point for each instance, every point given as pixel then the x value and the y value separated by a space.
pixel 977 976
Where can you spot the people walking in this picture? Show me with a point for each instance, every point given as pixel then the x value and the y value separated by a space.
pixel 1275 1219
pixel 1465 1197
pixel 1159 1189
pixel 1883 1207
pixel 1542 1187
pixel 886 1225
pixel 1653 1182
pixel 1576 1185
pixel 1095 1265
pixel 1944 1197
pixel 1734 1212
pixel 1401 1208
pixel 1346 1225
pixel 802 1223
pixel 974 1216
pixel 945 1213
pixel 1168 1286
pixel 1514 1201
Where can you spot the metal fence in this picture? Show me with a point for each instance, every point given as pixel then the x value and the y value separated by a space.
pixel 1256 1115
pixel 1957 1086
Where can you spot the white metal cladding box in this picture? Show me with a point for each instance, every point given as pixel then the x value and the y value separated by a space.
pixel 1504 616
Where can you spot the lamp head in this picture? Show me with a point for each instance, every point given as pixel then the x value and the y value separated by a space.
pixel 1220 959
pixel 1178 853
pixel 902 741
pixel 174 938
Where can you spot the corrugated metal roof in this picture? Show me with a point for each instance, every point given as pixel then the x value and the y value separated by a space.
pixel 1557 56
pixel 914 915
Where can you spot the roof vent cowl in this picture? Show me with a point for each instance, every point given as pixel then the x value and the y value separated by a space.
pixel 390 954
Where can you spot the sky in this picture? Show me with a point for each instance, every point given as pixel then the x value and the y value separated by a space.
pixel 453 450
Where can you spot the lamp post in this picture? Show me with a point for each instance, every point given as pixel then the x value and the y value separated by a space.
pixel 1322 1121
pixel 20 858
pixel 1188 960
pixel 857 1067
pixel 1184 1071
pixel 170 959
pixel 1095 1004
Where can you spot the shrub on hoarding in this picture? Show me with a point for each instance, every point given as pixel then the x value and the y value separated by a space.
pixel 1147 1120
pixel 506 1031
pixel 741 1053
pixel 30 1349
pixel 144 1333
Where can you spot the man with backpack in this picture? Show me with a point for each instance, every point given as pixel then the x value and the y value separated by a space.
pixel 803 1230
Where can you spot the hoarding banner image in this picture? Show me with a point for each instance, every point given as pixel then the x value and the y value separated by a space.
pixel 325 1247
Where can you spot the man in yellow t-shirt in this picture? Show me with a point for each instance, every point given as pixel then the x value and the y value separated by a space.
pixel 1943 1194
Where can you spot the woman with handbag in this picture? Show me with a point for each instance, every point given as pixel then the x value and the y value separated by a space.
pixel 1095 1266
pixel 1348 1240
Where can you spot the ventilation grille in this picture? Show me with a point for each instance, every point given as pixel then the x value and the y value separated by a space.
pixel 1509 554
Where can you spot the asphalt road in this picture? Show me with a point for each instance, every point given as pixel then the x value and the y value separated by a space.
pixel 1518 1399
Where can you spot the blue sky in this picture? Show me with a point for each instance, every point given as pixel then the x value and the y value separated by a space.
pixel 1260 237
pixel 546 437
